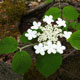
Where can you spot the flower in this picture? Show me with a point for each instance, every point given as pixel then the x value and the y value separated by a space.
pixel 60 48
pixel 61 22
pixel 50 33
pixel 36 25
pixel 67 34
pixel 48 38
pixel 31 34
pixel 39 49
pixel 51 48
pixel 48 19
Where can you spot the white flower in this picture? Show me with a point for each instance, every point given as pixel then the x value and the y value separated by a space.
pixel 55 26
pixel 60 48
pixel 39 49
pixel 48 19
pixel 31 34
pixel 61 22
pixel 36 25
pixel 49 37
pixel 67 34
pixel 51 48
pixel 50 33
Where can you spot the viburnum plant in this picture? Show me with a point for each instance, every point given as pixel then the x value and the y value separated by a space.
pixel 45 37
pixel 48 35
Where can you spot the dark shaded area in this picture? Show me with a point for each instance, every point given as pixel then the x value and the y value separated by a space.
pixel 33 15
pixel 6 73
pixel 37 13
pixel 70 69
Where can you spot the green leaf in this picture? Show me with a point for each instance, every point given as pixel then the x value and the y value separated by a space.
pixel 55 12
pixel 48 1
pixel 24 39
pixel 48 64
pixel 39 31
pixel 70 13
pixel 8 45
pixel 75 40
pixel 21 62
pixel 75 25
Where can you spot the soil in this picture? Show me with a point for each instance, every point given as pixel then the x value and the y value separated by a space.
pixel 69 70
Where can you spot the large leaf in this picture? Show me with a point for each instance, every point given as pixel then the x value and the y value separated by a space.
pixel 8 45
pixel 70 13
pixel 75 40
pixel 55 12
pixel 48 64
pixel 75 25
pixel 21 62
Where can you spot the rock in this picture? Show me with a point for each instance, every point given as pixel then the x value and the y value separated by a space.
pixel 70 69
pixel 6 72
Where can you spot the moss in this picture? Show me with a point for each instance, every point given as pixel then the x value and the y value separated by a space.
pixel 13 11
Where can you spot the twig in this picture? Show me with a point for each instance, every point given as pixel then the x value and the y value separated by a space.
pixel 59 3
pixel 71 74
pixel 21 48
pixel 69 54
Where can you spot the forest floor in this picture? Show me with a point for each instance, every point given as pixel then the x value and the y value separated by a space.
pixel 70 69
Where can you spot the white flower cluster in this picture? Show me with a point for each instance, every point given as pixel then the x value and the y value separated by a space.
pixel 50 33
pixel 49 37
pixel 49 47
pixel 31 34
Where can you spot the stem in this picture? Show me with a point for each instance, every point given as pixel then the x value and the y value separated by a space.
pixel 59 4
pixel 21 48
pixel 60 7
pixel 70 74
pixel 69 54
